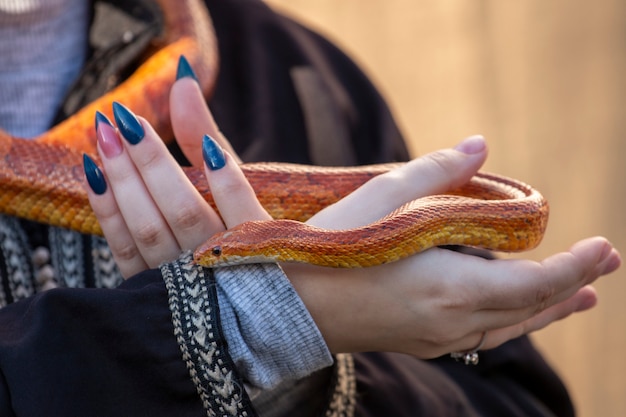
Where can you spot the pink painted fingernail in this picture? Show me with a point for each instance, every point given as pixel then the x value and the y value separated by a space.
pixel 109 140
pixel 472 145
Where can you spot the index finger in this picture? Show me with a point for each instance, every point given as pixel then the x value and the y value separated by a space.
pixel 434 173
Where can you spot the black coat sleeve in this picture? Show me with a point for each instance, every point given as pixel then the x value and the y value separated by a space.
pixel 109 352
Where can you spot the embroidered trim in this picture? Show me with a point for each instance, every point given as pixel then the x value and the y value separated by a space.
pixel 195 315
pixel 82 261
pixel 17 275
pixel 343 401
pixel 66 249
pixel 105 270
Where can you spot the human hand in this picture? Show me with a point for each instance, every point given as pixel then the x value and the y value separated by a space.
pixel 441 301
pixel 146 206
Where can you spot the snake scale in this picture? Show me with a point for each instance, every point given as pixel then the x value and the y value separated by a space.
pixel 43 180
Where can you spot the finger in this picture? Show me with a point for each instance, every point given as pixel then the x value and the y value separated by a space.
pixel 512 291
pixel 233 195
pixel 536 285
pixel 148 229
pixel 187 216
pixel 584 299
pixel 434 173
pixel 191 119
pixel 119 239
pixel 492 294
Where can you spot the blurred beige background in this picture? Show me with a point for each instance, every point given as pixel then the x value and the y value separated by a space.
pixel 545 82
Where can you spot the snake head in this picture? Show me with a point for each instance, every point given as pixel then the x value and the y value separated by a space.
pixel 243 244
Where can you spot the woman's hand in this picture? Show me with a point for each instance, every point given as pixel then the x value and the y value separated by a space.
pixel 146 206
pixel 441 301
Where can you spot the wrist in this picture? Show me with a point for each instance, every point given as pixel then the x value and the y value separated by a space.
pixel 342 303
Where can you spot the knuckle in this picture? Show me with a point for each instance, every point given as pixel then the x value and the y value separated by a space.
pixel 187 217
pixel 124 252
pixel 229 186
pixel 386 180
pixel 392 184
pixel 151 156
pixel 438 165
pixel 148 234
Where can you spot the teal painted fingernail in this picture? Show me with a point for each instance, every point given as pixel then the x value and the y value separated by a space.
pixel 184 69
pixel 95 177
pixel 101 118
pixel 212 153
pixel 128 124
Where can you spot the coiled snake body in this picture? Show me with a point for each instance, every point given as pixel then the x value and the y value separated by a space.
pixel 43 180
pixel 45 183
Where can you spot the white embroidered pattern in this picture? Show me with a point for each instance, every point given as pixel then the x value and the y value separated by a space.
pixel 105 270
pixel 73 270
pixel 193 303
pixel 19 277
pixel 66 250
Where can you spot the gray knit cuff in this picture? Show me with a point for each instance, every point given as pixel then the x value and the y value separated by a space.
pixel 271 335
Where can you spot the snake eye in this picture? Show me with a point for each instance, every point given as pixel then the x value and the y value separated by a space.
pixel 217 251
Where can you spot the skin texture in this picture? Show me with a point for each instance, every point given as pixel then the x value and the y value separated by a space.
pixel 427 305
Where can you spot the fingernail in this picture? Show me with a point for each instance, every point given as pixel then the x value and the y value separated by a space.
pixel 614 260
pixel 615 263
pixel 128 124
pixel 95 177
pixel 101 118
pixel 472 145
pixel 587 302
pixel 212 153
pixel 184 69
pixel 108 140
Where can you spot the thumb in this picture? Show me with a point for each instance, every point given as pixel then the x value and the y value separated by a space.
pixel 434 173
